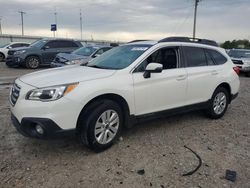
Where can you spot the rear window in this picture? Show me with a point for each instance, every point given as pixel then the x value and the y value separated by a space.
pixel 218 58
pixel 195 57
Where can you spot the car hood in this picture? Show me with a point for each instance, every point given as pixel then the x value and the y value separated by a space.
pixel 20 48
pixel 245 60
pixel 65 75
pixel 70 56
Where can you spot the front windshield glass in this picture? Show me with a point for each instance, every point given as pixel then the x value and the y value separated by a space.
pixel 3 46
pixel 38 43
pixel 119 57
pixel 85 51
pixel 239 53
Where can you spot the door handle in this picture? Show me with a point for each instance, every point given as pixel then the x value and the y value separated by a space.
pixel 181 77
pixel 214 72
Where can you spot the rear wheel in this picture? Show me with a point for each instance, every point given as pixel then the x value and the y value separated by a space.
pixel 2 57
pixel 101 125
pixel 219 103
pixel 32 62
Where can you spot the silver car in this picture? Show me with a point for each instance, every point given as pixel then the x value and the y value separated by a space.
pixel 241 58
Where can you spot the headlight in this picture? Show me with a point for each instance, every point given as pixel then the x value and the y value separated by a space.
pixel 77 61
pixel 19 52
pixel 50 93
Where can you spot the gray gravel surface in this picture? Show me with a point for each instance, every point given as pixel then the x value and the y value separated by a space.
pixel 156 146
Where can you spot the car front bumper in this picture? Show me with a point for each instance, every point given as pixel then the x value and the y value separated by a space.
pixel 13 61
pixel 27 128
pixel 54 117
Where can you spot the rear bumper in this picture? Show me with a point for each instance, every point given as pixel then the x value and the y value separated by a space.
pixel 27 128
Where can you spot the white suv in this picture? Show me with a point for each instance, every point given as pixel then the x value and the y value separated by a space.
pixel 125 84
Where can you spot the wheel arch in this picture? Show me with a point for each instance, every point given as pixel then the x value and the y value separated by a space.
pixel 35 55
pixel 108 96
pixel 228 88
pixel 4 56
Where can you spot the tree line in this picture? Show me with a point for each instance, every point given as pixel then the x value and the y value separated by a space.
pixel 245 44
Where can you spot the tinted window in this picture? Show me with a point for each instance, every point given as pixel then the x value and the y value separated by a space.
pixel 25 45
pixel 218 57
pixel 195 57
pixel 16 45
pixel 68 44
pixel 210 60
pixel 165 56
pixel 53 44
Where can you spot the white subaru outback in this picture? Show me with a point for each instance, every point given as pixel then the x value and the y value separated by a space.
pixel 130 82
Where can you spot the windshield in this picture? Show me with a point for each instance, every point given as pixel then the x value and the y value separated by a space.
pixel 38 43
pixel 239 53
pixel 85 51
pixel 119 57
pixel 5 45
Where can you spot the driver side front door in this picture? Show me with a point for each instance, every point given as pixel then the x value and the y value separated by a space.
pixel 162 91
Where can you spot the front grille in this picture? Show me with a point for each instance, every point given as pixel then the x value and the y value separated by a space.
pixel 14 94
pixel 10 52
pixel 238 62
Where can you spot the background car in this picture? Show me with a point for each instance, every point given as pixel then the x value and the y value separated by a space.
pixel 81 55
pixel 41 52
pixel 241 58
pixel 5 48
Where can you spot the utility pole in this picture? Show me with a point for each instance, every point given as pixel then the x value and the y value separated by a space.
pixel 1 26
pixel 195 14
pixel 22 13
pixel 81 22
pixel 55 32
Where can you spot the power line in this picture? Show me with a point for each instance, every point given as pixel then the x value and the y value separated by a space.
pixel 22 13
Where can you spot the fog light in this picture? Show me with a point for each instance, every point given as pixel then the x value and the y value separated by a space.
pixel 39 129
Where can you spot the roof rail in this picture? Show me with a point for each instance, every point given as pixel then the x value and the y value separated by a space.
pixel 136 41
pixel 191 40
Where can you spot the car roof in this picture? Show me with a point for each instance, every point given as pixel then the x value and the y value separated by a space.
pixel 238 49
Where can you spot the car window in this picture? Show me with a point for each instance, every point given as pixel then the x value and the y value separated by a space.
pixel 16 45
pixel 165 56
pixel 218 57
pixel 25 45
pixel 195 56
pixel 53 44
pixel 119 57
pixel 210 60
pixel 68 44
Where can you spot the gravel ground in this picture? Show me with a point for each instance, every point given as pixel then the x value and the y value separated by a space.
pixel 156 146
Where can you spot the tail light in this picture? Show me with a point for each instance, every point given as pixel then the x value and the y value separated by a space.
pixel 237 70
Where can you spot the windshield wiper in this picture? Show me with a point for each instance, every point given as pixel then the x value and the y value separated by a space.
pixel 95 66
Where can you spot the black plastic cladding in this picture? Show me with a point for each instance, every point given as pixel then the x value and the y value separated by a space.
pixel 191 40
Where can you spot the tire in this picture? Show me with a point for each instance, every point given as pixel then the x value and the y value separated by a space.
pixel 219 103
pixel 32 62
pixel 94 132
pixel 2 57
pixel 247 74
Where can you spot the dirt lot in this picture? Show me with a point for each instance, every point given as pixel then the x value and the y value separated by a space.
pixel 156 146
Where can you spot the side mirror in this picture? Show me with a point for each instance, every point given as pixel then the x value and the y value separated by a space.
pixel 45 47
pixel 9 47
pixel 152 68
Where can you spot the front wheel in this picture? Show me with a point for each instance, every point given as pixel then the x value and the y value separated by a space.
pixel 218 104
pixel 2 57
pixel 32 62
pixel 101 125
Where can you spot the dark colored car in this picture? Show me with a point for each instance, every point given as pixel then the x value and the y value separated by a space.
pixel 41 52
pixel 79 56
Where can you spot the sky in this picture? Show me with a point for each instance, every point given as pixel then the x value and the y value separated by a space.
pixel 125 20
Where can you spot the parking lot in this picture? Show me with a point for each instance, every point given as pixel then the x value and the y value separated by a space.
pixel 157 147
